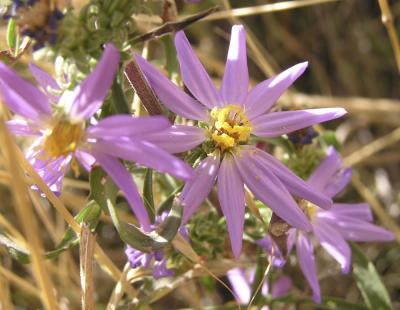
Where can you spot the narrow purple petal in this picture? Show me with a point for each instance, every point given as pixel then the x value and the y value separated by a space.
pixel 193 73
pixel 272 249
pixel 116 170
pixel 270 190
pixel 196 190
pixel 22 97
pixel 279 123
pixel 22 128
pixel 231 198
pixel 361 211
pixel 89 95
pixel 177 139
pixel 235 81
pixel 86 160
pixel 292 182
pixel 262 97
pixel 281 287
pixel 171 95
pixel 127 126
pixel 146 154
pixel 305 254
pixel 332 241
pixel 46 82
pixel 240 285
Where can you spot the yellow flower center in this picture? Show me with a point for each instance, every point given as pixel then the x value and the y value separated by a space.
pixel 310 209
pixel 230 127
pixel 63 138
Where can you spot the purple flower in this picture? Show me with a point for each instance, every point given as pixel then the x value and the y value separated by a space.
pixel 333 227
pixel 242 282
pixel 62 135
pixel 229 117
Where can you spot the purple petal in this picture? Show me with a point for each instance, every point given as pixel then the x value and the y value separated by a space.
pixel 240 285
pixel 86 160
pixel 193 73
pixel 160 270
pixel 291 239
pixel 46 82
pixel 236 76
pixel 196 190
pixel 127 126
pixel 361 211
pixel 354 228
pixel 269 189
pixel 279 123
pixel 332 241
pixel 124 180
pixel 178 138
pixel 262 97
pixel 146 154
pixel 171 95
pixel 330 177
pixel 292 182
pixel 281 286
pixel 22 97
pixel 89 95
pixel 272 249
pixel 231 198
pixel 22 128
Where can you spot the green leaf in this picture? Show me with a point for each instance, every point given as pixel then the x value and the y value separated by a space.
pixel 372 289
pixel 148 193
pixel 12 36
pixel 121 106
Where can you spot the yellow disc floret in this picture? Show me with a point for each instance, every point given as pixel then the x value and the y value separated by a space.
pixel 63 138
pixel 230 126
pixel 310 209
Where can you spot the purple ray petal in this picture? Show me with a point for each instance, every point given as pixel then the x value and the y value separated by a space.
pixel 262 97
pixel 178 138
pixel 124 180
pixel 354 228
pixel 196 190
pixel 269 189
pixel 193 73
pixel 146 154
pixel 22 97
pixel 332 241
pixel 240 285
pixel 292 182
pixel 171 95
pixel 46 82
pixel 279 123
pixel 231 198
pixel 22 128
pixel 360 211
pixel 272 249
pixel 127 126
pixel 235 81
pixel 281 286
pixel 291 239
pixel 86 160
pixel 89 95
pixel 305 254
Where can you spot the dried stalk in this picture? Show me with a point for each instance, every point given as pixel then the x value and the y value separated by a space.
pixel 87 243
pixel 20 282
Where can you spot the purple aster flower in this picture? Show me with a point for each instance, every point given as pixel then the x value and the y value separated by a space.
pixel 241 281
pixel 333 227
pixel 228 118
pixel 63 136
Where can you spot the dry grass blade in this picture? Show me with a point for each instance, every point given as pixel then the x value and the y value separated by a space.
pixel 387 20
pixel 87 242
pixel 27 219
pixel 265 8
pixel 20 282
pixel 5 297
pixel 119 289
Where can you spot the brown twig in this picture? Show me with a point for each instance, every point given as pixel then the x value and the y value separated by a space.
pixel 86 252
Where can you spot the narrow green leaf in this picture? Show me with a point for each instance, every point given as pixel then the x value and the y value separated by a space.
pixel 148 193
pixel 372 289
pixel 12 35
pixel 118 98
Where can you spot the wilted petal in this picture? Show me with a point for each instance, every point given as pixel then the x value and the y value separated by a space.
pixel 270 190
pixel 240 285
pixel 127 126
pixel 305 254
pixel 361 211
pixel 275 124
pixel 146 154
pixel 45 81
pixel 193 73
pixel 231 198
pixel 89 95
pixel 124 180
pixel 292 182
pixel 332 241
pixel 197 189
pixel 178 138
pixel 22 97
pixel 236 76
pixel 171 95
pixel 22 128
pixel 262 97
